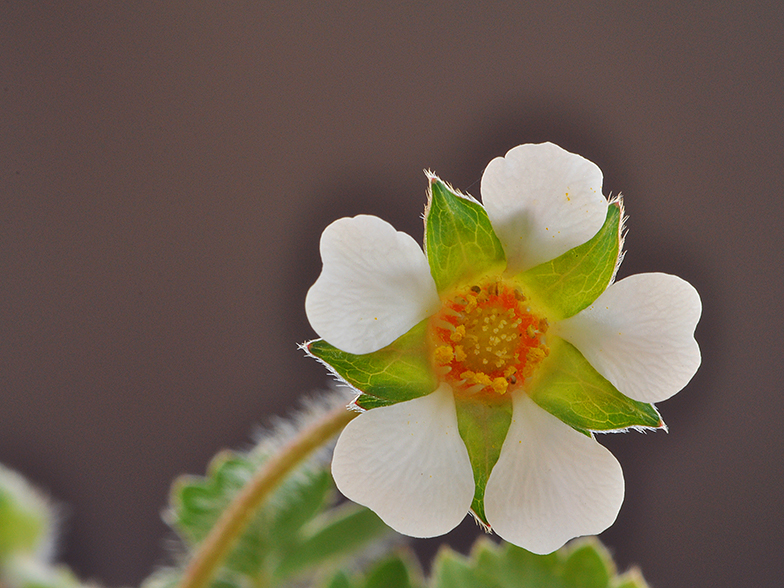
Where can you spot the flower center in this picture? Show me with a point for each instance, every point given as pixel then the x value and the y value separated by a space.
pixel 487 339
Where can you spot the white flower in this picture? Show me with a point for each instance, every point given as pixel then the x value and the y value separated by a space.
pixel 551 482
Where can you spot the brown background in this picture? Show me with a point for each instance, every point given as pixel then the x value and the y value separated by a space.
pixel 166 170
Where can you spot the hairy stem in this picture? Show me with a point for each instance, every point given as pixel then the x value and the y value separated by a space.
pixel 232 522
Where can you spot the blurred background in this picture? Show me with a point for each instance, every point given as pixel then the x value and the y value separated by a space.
pixel 166 170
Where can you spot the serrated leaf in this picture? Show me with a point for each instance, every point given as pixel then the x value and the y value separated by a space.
pixel 390 573
pixel 584 563
pixel 400 371
pixel 459 240
pixel 507 566
pixel 483 427
pixel 571 282
pixel 197 501
pixel 452 570
pixel 631 579
pixel 588 567
pixel 568 387
pixel 344 530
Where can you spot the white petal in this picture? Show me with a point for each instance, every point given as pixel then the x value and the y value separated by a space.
pixel 639 334
pixel 375 285
pixel 408 464
pixel 542 201
pixel 550 483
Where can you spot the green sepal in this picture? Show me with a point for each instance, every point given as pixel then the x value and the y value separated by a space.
pixel 459 240
pixel 568 387
pixel 584 563
pixel 571 282
pixel 483 427
pixel 398 372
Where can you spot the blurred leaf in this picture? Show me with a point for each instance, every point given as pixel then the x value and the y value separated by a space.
pixel 584 563
pixel 26 571
pixel 395 572
pixel 452 570
pixel 631 579
pixel 341 531
pixel 292 533
pixel 25 515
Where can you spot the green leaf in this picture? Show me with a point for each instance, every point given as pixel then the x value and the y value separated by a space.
pixel 398 372
pixel 342 531
pixel 507 566
pixel 339 580
pixel 584 563
pixel 569 387
pixel 197 501
pixel 26 519
pixel 587 567
pixel 459 240
pixel 631 579
pixel 291 533
pixel 571 282
pixel 483 427
pixel 303 502
pixel 391 573
pixel 26 571
pixel 452 570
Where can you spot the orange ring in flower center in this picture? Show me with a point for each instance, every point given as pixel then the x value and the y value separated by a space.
pixel 486 339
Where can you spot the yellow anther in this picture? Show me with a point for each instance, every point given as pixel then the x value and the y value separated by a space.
pixel 487 339
pixel 482 378
pixel 444 354
pixel 458 334
pixel 500 385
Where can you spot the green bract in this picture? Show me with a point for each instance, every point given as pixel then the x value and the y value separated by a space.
pixel 459 240
pixel 571 282
pixel 401 371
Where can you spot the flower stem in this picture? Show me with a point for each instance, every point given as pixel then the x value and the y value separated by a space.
pixel 232 522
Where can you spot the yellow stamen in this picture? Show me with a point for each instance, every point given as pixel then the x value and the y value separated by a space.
pixel 458 334
pixel 500 385
pixel 444 354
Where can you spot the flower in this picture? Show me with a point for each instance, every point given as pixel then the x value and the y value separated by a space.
pixel 485 363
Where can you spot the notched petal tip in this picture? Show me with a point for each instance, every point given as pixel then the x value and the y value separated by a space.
pixel 542 201
pixel 551 483
pixel 374 286
pixel 639 334
pixel 408 464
